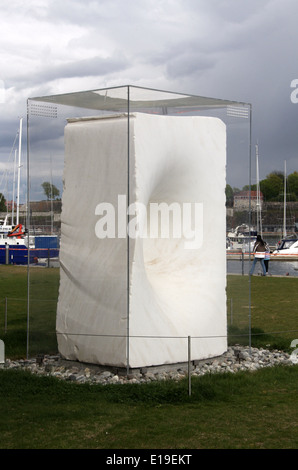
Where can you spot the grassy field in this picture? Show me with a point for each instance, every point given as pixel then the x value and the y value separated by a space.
pixel 43 287
pixel 229 411
pixel 274 309
pixel 241 411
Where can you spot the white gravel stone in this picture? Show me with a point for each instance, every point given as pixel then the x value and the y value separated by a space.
pixel 235 359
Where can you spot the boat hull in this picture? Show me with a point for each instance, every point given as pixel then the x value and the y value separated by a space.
pixel 15 255
pixel 19 254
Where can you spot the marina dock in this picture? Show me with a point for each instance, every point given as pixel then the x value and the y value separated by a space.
pixel 238 255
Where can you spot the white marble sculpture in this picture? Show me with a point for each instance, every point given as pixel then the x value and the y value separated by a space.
pixel 133 292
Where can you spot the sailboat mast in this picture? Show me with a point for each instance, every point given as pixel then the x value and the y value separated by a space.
pixel 13 187
pixel 19 168
pixel 285 201
pixel 259 217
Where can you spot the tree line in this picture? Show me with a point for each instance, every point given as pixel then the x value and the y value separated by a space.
pixel 50 190
pixel 272 188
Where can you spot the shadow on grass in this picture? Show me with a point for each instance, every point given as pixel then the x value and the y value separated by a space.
pixel 259 339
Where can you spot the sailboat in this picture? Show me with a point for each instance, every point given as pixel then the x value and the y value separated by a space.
pixel 288 246
pixel 243 237
pixel 13 240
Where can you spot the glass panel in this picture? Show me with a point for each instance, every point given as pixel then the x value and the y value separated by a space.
pixel 47 147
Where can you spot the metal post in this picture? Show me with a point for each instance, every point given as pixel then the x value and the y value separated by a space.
pixel 28 227
pixel 127 235
pixel 2 352
pixel 249 250
pixel 5 316
pixel 231 311
pixel 189 367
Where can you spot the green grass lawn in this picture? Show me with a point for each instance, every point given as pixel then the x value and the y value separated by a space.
pixel 241 411
pixel 230 411
pixel 274 310
pixel 43 289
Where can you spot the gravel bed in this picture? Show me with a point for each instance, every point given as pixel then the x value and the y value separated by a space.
pixel 236 359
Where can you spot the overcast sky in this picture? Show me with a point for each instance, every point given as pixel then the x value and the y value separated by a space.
pixel 242 50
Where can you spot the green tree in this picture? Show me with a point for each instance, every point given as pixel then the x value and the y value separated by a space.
pixel 253 187
pixel 229 196
pixel 50 190
pixel 2 203
pixel 292 183
pixel 272 186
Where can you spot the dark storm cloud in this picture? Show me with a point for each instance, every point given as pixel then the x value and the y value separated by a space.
pixel 215 48
pixel 93 67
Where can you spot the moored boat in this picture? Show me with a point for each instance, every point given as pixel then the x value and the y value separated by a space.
pixel 241 239
pixel 287 247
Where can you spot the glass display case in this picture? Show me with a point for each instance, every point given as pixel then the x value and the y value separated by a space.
pixel 92 157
